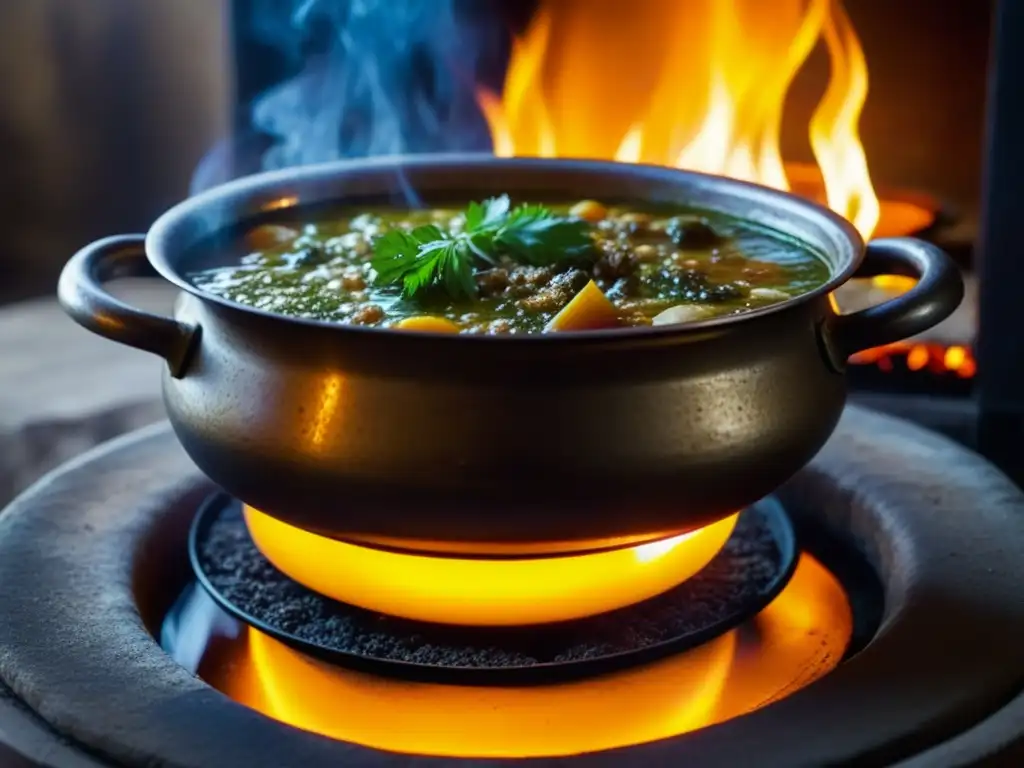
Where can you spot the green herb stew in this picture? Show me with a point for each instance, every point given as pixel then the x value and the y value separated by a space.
pixel 496 267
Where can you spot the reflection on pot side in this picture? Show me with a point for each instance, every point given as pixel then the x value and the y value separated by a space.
pixel 797 639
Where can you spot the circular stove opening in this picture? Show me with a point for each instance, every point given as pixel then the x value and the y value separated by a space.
pixel 785 619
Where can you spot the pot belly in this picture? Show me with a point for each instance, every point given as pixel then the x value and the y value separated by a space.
pixel 353 454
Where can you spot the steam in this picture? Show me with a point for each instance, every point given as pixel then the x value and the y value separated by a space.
pixel 375 77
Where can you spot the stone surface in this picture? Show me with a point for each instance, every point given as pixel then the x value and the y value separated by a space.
pixel 88 559
pixel 27 742
pixel 64 390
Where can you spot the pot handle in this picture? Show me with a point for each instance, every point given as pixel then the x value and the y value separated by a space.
pixel 938 292
pixel 82 295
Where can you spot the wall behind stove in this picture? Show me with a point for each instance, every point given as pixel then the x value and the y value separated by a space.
pixel 106 106
pixel 923 123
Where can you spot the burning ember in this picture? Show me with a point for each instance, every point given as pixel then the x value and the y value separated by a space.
pixel 473 591
pixel 912 354
pixel 702 85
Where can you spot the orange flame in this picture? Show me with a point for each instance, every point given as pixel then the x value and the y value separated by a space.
pixel 697 84
pixel 919 356
pixel 460 590
pixel 915 354
pixel 797 639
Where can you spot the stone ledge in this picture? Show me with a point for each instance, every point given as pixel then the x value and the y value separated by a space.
pixel 64 390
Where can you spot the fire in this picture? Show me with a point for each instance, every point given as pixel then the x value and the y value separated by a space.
pixel 919 356
pixel 914 354
pixel 696 84
pixel 797 639
pixel 466 590
pixel 702 85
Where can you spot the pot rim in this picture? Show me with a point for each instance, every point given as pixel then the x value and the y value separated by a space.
pixel 217 208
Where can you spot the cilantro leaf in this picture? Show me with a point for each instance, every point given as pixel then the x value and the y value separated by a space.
pixel 490 213
pixel 427 257
pixel 423 257
pixel 396 251
pixel 534 235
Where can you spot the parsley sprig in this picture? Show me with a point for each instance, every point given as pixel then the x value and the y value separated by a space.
pixel 429 257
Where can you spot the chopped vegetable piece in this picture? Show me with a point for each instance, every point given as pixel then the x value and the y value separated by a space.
pixel 769 294
pixel 683 313
pixel 428 324
pixel 589 210
pixel 502 266
pixel 589 310
pixel 267 236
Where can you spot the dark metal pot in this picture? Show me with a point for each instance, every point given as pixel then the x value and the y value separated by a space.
pixel 498 444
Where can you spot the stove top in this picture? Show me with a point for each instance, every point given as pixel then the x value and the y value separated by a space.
pixel 750 570
pixel 95 556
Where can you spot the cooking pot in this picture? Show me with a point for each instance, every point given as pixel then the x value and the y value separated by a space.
pixel 499 445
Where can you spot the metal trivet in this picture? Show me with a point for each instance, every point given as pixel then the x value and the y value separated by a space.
pixel 752 568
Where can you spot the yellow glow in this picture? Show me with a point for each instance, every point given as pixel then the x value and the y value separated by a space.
pixel 797 639
pixel 894 285
pixel 905 213
pixel 455 590
pixel 699 84
pixel 323 417
pixel 834 135
pixel 533 132
pixel 631 146
pixel 954 358
pixel 288 201
pixel 899 217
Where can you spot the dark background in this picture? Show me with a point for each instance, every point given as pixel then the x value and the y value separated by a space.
pixel 107 106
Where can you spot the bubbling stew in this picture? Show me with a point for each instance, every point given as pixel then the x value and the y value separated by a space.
pixel 498 268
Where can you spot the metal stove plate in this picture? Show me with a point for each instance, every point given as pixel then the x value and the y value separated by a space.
pixel 406 649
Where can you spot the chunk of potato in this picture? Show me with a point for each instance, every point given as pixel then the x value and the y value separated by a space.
pixel 588 310
pixel 427 324
pixel 589 210
pixel 769 294
pixel 683 313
